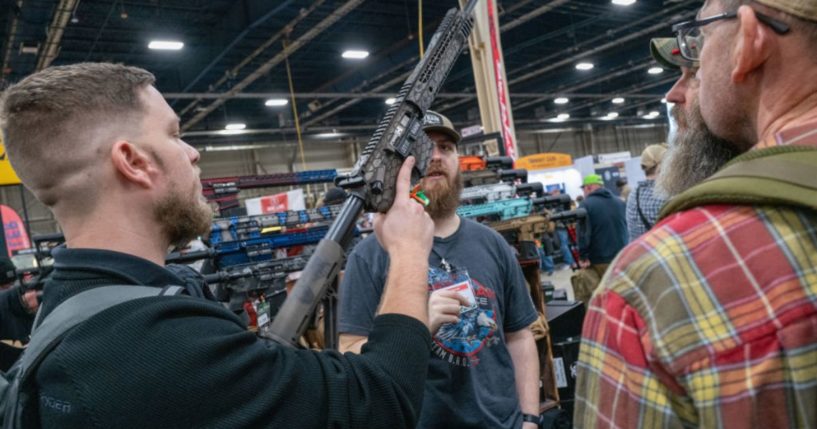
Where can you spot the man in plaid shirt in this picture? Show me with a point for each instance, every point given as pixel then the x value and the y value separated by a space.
pixel 710 319
pixel 644 204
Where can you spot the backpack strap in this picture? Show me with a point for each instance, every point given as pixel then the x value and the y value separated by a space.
pixel 46 337
pixel 76 310
pixel 781 175
pixel 647 224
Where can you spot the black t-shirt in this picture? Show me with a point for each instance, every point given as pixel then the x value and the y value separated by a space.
pixel 15 325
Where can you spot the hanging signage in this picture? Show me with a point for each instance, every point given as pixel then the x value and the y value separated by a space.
pixel 7 174
pixel 501 87
pixel 544 161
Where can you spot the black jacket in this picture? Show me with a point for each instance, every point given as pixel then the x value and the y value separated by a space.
pixel 184 362
pixel 604 232
pixel 15 324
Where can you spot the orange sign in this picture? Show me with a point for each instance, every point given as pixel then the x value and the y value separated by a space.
pixel 544 161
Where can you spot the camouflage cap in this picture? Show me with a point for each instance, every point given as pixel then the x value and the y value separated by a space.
pixel 806 9
pixel 666 52
pixel 434 121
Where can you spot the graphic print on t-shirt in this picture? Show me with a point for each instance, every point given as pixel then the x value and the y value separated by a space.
pixel 459 344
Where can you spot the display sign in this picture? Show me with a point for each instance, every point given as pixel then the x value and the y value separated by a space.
pixel 292 200
pixel 584 165
pixel 613 158
pixel 610 176
pixel 544 161
pixel 15 230
pixel 7 174
pixel 566 179
pixel 471 131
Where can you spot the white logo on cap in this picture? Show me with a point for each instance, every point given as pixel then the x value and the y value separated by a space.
pixel 432 119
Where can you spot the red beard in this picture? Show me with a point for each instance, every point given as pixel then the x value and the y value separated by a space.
pixel 443 193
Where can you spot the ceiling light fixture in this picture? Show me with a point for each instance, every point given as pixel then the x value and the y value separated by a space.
pixel 618 100
pixel 610 116
pixel 655 70
pixel 664 100
pixel 391 100
pixel 563 116
pixel 355 55
pixel 165 45
pixel 328 135
pixel 584 66
pixel 623 2
pixel 235 127
pixel 561 100
pixel 276 102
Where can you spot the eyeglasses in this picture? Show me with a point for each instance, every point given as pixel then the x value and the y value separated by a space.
pixel 691 40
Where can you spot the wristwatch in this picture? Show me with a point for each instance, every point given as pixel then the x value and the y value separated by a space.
pixel 530 418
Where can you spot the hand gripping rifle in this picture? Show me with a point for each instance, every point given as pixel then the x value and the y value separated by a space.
pixel 372 182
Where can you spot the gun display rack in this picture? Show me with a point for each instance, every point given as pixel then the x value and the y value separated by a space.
pixel 521 214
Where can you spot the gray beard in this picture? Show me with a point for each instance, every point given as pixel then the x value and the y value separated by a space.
pixel 693 156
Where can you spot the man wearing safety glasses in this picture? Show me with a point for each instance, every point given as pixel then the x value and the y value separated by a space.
pixel 710 319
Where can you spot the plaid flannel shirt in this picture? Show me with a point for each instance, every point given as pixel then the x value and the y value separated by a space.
pixel 642 197
pixel 709 320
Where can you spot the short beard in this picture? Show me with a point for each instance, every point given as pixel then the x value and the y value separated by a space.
pixel 444 198
pixel 694 155
pixel 183 220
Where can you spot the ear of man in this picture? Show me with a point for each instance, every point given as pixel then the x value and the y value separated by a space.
pixel 756 42
pixel 134 164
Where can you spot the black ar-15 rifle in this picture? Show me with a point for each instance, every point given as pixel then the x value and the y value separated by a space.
pixel 372 181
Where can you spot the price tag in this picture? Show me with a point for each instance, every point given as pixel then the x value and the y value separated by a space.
pixel 263 314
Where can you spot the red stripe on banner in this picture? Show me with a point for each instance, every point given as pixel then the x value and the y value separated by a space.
pixel 499 79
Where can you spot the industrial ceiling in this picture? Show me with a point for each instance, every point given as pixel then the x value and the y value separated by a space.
pixel 235 56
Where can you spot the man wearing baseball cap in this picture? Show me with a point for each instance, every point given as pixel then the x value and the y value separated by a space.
pixel 709 319
pixel 484 367
pixel 602 234
pixel 695 153
pixel 644 203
